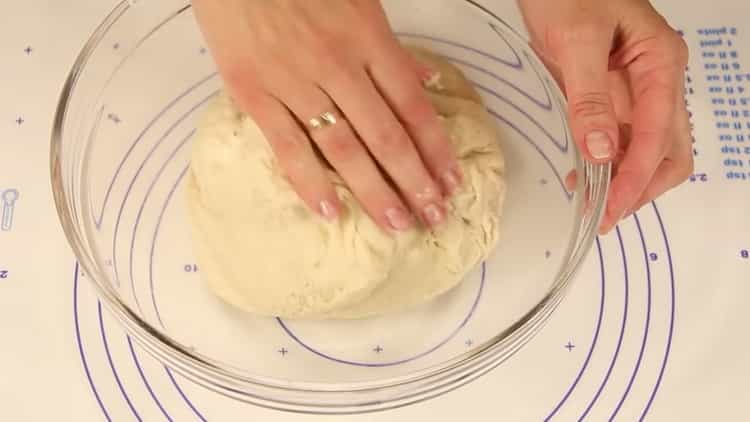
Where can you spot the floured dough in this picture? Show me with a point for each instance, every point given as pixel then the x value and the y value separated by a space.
pixel 261 249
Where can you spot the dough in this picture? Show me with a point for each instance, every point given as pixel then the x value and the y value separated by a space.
pixel 261 250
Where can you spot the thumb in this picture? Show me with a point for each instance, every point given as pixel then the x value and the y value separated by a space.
pixel 584 63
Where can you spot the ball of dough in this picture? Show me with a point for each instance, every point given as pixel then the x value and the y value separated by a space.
pixel 263 251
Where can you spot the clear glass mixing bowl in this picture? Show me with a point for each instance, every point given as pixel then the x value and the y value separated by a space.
pixel 119 155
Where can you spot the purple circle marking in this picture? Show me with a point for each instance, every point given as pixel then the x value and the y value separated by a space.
pixel 562 147
pixel 153 295
pixel 138 221
pixel 168 199
pixel 153 242
pixel 112 364
pixel 400 361
pixel 671 321
pixel 593 341
pixel 137 363
pixel 129 189
pixel 515 65
pixel 622 328
pixel 81 351
pixel 148 127
pixel 98 224
pixel 648 319
pixel 183 395
pixel 145 381
pixel 523 134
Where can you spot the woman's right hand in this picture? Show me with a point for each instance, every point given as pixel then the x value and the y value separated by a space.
pixel 286 62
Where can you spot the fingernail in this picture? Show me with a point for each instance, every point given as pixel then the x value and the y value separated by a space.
pixel 451 180
pixel 398 219
pixel 433 214
pixel 328 210
pixel 599 145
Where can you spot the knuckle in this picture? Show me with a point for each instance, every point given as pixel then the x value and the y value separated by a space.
pixel 417 111
pixel 287 147
pixel 234 74
pixel 685 169
pixel 681 50
pixel 665 147
pixel 674 47
pixel 340 147
pixel 592 104
pixel 585 32
pixel 389 140
pixel 327 58
pixel 241 75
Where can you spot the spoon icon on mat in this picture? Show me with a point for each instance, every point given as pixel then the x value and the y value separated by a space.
pixel 9 198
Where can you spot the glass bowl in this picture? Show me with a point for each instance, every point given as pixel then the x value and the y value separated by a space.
pixel 119 154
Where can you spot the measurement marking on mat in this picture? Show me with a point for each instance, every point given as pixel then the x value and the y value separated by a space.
pixel 570 346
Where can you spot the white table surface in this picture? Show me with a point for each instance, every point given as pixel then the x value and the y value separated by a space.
pixel 667 339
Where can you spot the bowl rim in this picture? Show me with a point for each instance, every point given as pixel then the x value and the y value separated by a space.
pixel 345 398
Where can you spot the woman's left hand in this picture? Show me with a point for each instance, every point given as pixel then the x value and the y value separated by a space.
pixel 622 69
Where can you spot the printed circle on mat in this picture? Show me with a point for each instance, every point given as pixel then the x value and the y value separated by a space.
pixel 393 339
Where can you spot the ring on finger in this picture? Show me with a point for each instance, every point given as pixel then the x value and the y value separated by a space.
pixel 325 119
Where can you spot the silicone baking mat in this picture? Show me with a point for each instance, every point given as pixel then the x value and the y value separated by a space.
pixel 654 328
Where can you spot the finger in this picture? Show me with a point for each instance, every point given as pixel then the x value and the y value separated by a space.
pixel 677 167
pixel 638 166
pixel 634 174
pixel 625 130
pixel 401 88
pixel 294 153
pixel 669 175
pixel 388 141
pixel 349 157
pixel 657 83
pixel 583 56
pixel 571 180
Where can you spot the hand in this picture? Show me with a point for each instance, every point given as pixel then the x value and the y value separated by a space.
pixel 622 69
pixel 286 62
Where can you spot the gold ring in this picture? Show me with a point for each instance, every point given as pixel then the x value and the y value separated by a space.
pixel 325 119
